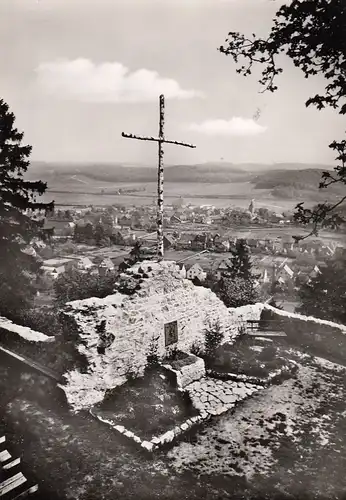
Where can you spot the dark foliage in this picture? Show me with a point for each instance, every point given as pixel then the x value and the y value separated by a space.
pixel 241 262
pixel 312 34
pixel 213 336
pixel 325 295
pixel 136 253
pixel 236 292
pixel 83 234
pixel 77 285
pixel 18 271
pixel 237 285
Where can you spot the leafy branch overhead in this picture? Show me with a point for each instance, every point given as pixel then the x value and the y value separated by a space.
pixel 312 34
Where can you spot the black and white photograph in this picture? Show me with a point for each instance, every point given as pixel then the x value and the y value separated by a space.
pixel 173 249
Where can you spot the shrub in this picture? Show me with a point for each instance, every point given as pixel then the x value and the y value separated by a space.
pixel 242 331
pixel 152 356
pixel 213 337
pixel 196 348
pixel 268 354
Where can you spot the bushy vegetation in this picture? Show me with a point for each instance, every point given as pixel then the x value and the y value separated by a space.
pixel 311 34
pixel 18 270
pixel 213 337
pixel 324 296
pixel 237 292
pixel 78 285
pixel 236 287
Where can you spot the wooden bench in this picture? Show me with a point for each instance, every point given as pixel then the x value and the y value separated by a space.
pixel 259 328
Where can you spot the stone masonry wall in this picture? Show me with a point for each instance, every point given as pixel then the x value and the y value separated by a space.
pixel 188 373
pixel 137 322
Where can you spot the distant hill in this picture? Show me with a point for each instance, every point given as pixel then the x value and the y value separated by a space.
pixel 292 184
pixel 298 179
pixel 55 173
pixel 279 167
pixel 209 172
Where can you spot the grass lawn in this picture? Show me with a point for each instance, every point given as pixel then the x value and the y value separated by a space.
pixel 247 356
pixel 148 406
pixel 287 442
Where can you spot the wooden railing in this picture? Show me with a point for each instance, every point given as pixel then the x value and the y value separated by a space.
pixel 267 328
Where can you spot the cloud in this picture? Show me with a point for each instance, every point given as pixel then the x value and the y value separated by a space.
pixel 236 126
pixel 82 80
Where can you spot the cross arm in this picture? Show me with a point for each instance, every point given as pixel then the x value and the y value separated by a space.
pixel 157 139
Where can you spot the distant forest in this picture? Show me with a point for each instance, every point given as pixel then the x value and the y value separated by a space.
pixel 284 181
pixel 290 184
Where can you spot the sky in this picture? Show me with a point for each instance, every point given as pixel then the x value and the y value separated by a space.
pixel 77 73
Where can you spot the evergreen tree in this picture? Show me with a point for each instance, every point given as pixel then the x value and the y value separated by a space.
pixel 237 292
pixel 100 234
pixel 17 195
pixel 136 253
pixel 241 262
pixel 78 285
pixel 237 285
pixel 324 296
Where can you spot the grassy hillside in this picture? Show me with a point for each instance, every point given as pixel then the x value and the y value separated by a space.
pixel 58 174
pixel 290 184
pixel 245 180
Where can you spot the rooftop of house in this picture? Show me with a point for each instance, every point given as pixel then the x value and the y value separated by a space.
pixel 55 223
pixel 56 262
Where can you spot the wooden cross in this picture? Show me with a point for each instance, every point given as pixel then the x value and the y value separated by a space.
pixel 160 140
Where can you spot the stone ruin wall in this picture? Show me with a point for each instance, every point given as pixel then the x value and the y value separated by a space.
pixel 138 320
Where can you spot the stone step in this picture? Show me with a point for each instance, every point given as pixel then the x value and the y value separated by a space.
pixel 26 493
pixel 14 463
pixel 4 456
pixel 12 483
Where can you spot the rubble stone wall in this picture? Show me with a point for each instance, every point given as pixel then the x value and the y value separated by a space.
pixel 137 322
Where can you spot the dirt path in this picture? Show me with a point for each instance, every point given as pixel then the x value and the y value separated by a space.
pixel 287 442
pixel 289 438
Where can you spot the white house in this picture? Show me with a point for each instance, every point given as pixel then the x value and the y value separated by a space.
pixel 182 270
pixel 196 271
pixel 53 272
pixel 84 264
pixel 62 264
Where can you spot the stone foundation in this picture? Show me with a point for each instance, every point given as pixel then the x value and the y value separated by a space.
pixel 188 373
pixel 152 295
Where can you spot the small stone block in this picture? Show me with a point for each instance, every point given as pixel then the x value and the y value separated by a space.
pixel 184 427
pixel 169 436
pixel 120 428
pixel 219 410
pixel 147 446
pixel 156 440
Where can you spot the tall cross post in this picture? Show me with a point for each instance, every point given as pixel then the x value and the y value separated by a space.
pixel 160 174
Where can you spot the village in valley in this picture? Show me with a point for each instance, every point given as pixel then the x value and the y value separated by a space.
pixel 199 238
pixel 176 349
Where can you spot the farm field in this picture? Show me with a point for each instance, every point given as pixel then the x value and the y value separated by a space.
pixel 220 195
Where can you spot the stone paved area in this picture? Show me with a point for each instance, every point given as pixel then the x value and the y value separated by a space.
pixel 214 397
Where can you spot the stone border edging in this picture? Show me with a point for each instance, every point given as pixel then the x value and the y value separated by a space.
pixel 157 441
pixel 272 377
